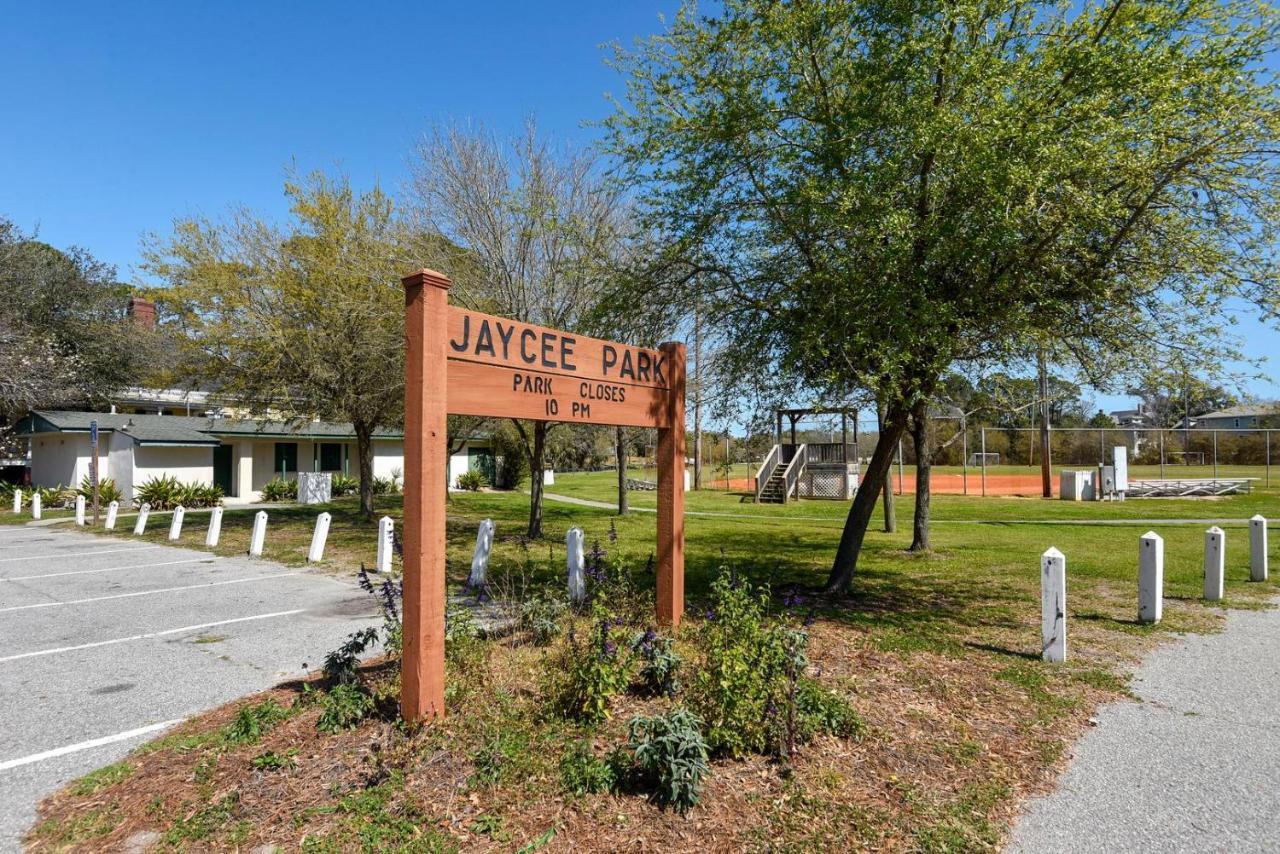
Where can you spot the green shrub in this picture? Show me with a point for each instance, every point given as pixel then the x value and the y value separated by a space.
pixel 819 709
pixel 671 757
pixel 165 493
pixel 342 708
pixel 582 773
pixel 471 481
pixel 342 484
pixel 278 489
pixel 542 617
pixel 584 677
pixel 107 491
pixel 742 686
pixel 659 663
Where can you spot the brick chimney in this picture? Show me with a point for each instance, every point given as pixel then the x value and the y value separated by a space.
pixel 143 312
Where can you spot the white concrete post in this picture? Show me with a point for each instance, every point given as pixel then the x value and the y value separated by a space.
pixel 573 543
pixel 316 554
pixel 1053 606
pixel 17 501
pixel 259 534
pixel 141 525
pixel 1215 563
pixel 548 477
pixel 215 528
pixel 480 559
pixel 688 481
pixel 1150 577
pixel 80 510
pixel 113 509
pixel 175 524
pixel 386 543
pixel 1258 548
pixel 35 505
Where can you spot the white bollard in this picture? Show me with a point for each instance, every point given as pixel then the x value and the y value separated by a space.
pixel 316 554
pixel 576 560
pixel 1053 606
pixel 17 501
pixel 35 505
pixel 480 559
pixel 141 524
pixel 1215 562
pixel 215 528
pixel 688 481
pixel 175 524
pixel 80 510
pixel 548 477
pixel 1258 548
pixel 1150 577
pixel 386 543
pixel 113 509
pixel 259 534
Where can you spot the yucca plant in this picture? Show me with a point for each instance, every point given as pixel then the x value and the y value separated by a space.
pixel 162 492
pixel 342 484
pixel 107 490
pixel 279 489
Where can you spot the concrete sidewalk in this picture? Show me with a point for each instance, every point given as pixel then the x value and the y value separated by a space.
pixel 1194 766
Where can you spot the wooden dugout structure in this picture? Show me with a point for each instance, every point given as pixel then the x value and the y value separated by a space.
pixel 464 362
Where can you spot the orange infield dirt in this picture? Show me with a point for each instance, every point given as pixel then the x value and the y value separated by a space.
pixel 950 484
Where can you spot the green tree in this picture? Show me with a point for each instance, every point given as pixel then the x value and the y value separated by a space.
pixel 301 320
pixel 879 192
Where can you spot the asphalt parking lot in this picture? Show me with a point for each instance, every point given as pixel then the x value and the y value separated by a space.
pixel 107 642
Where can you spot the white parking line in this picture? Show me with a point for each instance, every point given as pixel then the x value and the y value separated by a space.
pixel 78 554
pixel 87 745
pixel 149 592
pixel 209 559
pixel 150 635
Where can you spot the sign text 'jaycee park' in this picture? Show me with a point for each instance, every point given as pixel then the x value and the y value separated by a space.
pixel 547 374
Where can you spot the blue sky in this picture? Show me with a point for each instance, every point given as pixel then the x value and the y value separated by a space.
pixel 120 117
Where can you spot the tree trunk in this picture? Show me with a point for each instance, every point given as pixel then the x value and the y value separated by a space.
pixel 924 467
pixel 890 515
pixel 364 452
pixel 875 479
pixel 620 451
pixel 536 451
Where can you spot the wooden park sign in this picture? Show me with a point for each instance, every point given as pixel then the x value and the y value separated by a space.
pixel 466 363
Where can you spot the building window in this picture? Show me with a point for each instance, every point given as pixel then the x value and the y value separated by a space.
pixel 330 456
pixel 286 457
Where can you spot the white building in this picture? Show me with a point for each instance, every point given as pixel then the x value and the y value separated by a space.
pixel 239 455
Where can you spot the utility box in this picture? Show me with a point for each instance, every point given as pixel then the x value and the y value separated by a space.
pixel 1075 485
pixel 315 487
pixel 1120 455
pixel 1105 485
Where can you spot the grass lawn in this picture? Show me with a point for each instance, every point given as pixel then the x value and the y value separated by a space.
pixel 937 655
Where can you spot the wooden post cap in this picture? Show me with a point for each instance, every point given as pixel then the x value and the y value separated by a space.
pixel 426 277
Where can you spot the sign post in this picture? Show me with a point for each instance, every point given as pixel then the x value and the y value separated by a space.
pixel 93 467
pixel 467 363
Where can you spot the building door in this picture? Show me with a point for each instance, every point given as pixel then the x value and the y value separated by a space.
pixel 222 469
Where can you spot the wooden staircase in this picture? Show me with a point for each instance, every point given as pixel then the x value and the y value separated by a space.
pixel 774 490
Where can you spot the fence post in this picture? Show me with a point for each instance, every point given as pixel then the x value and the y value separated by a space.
pixel 984 461
pixel 1215 454
pixel 573 542
pixel 215 528
pixel 35 505
pixel 1102 447
pixel 258 539
pixel 1258 548
pixel 386 533
pixel 1150 577
pixel 964 457
pixel 175 524
pixel 113 509
pixel 1053 606
pixel 141 524
pixel 1215 548
pixel 316 553
pixel 80 510
pixel 1161 434
pixel 1268 480
pixel 900 492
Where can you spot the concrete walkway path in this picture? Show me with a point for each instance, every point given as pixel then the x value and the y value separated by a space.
pixel 1193 766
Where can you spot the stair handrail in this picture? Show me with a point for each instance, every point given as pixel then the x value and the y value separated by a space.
pixel 766 470
pixel 791 474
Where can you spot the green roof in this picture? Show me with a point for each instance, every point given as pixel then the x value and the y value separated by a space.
pixel 182 429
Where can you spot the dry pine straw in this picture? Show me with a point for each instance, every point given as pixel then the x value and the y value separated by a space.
pixel 958 739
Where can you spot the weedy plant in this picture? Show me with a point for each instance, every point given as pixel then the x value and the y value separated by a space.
pixel 343 707
pixel 583 773
pixel 670 757
pixel 659 663
pixel 542 616
pixel 585 676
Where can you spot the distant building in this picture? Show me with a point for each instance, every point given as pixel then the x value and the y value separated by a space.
pixel 1248 416
pixel 1130 417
